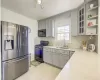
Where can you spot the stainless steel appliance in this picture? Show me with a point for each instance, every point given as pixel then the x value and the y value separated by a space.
pixel 42 33
pixel 39 50
pixel 14 50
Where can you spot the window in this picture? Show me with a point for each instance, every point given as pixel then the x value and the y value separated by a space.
pixel 63 33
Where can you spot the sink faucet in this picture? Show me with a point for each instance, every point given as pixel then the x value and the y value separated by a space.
pixel 65 44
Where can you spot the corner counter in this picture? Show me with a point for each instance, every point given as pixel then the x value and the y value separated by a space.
pixel 83 65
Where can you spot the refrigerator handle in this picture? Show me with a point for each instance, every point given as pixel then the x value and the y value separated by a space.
pixel 17 39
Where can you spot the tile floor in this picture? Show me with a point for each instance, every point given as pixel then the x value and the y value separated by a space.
pixel 41 72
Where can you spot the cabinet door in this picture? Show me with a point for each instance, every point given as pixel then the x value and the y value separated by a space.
pixel 63 59
pixel 41 24
pixel 74 22
pixel 56 59
pixel 81 20
pixel 50 28
pixel 47 57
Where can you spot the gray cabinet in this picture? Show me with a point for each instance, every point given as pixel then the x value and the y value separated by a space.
pixel 63 59
pixel 56 57
pixel 50 27
pixel 41 24
pixel 74 22
pixel 81 20
pixel 47 57
pixel 88 18
pixel 47 24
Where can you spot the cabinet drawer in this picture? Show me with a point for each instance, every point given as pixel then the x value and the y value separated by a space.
pixel 53 50
pixel 59 51
pixel 47 49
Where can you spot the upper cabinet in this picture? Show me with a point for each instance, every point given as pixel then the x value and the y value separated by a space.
pixel 81 20
pixel 41 24
pixel 50 27
pixel 88 18
pixel 74 22
pixel 47 24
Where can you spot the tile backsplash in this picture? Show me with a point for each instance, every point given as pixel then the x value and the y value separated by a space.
pixel 75 41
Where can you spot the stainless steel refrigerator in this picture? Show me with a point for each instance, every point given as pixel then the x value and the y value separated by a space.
pixel 14 50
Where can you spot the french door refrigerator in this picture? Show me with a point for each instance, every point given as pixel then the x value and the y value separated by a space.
pixel 14 50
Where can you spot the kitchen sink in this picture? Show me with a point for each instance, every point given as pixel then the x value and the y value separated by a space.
pixel 64 47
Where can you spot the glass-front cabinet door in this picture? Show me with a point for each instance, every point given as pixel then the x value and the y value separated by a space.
pixel 81 21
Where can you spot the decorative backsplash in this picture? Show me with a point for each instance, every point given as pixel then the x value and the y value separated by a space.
pixel 75 41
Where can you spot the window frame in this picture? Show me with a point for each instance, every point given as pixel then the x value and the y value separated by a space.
pixel 68 41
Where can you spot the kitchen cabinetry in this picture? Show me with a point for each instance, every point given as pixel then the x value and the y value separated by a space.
pixel 47 56
pixel 41 24
pixel 88 18
pixel 91 17
pixel 64 59
pixel 56 57
pixel 74 22
pixel 50 27
pixel 47 24
pixel 81 20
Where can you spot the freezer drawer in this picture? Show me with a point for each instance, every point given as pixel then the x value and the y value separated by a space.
pixel 15 68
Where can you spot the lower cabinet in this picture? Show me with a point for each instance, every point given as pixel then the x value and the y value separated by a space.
pixel 63 59
pixel 47 57
pixel 58 59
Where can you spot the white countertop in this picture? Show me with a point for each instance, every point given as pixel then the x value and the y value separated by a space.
pixel 60 48
pixel 83 65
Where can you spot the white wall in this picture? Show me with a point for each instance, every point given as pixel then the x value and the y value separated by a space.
pixel 75 41
pixel 10 16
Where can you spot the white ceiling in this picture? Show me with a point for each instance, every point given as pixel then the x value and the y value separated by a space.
pixel 51 7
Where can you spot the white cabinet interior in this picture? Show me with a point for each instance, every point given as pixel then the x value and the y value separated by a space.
pixel 91 17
